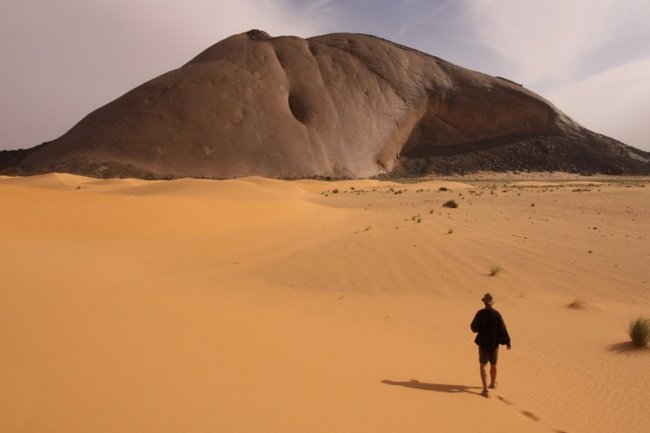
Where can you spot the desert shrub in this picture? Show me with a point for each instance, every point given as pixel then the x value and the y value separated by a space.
pixel 443 189
pixel 577 304
pixel 639 332
pixel 451 204
pixel 494 270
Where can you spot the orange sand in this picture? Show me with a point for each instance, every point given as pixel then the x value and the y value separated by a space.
pixel 257 305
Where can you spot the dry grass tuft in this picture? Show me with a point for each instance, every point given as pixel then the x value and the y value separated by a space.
pixel 494 270
pixel 577 304
pixel 639 332
pixel 451 204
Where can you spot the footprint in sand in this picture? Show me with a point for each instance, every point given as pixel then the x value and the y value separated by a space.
pixel 527 414
pixel 508 402
pixel 530 415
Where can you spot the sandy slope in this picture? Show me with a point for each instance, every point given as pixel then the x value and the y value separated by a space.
pixel 257 305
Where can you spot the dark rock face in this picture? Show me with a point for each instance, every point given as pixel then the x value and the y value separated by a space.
pixel 339 105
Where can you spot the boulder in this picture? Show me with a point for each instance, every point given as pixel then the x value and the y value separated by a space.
pixel 338 105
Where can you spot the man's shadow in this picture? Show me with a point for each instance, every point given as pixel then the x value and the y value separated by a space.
pixel 437 387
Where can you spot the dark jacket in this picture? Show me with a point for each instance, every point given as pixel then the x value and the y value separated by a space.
pixel 491 329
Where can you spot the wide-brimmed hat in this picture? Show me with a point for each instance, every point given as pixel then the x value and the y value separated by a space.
pixel 487 299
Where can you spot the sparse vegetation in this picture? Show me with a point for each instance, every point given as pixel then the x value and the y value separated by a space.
pixel 367 229
pixel 450 231
pixel 577 304
pixel 450 204
pixel 494 270
pixel 639 331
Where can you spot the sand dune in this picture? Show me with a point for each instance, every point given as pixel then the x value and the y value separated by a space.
pixel 261 305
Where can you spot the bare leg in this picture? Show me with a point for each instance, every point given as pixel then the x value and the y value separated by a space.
pixel 484 377
pixel 493 375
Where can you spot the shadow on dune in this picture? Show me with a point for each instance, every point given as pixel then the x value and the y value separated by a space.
pixel 437 387
pixel 626 347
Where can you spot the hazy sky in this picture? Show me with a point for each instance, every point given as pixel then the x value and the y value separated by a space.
pixel 62 59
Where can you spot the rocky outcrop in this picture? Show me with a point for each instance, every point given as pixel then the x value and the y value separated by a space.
pixel 339 105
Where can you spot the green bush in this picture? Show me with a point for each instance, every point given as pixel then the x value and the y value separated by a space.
pixel 639 332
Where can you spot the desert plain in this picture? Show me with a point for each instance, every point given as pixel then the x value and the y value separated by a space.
pixel 259 305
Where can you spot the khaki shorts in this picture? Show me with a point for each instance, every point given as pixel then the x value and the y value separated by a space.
pixel 485 356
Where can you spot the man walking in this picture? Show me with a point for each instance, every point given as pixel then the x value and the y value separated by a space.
pixel 491 332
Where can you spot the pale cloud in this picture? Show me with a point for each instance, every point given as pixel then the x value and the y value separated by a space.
pixel 549 43
pixel 581 54
pixel 614 102
pixel 63 59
